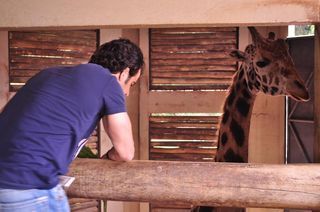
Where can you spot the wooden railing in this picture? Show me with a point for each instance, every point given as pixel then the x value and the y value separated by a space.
pixel 198 183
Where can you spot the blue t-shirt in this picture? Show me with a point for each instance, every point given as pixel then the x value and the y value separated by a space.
pixel 47 121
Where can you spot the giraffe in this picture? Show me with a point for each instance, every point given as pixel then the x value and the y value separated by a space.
pixel 266 67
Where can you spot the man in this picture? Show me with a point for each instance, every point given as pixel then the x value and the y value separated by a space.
pixel 47 122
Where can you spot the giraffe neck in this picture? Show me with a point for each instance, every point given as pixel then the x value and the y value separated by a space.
pixel 235 123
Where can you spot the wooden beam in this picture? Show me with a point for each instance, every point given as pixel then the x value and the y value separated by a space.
pixel 316 155
pixel 154 13
pixel 198 183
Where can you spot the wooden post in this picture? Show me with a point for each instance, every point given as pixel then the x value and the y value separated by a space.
pixel 316 95
pixel 198 183
pixel 316 149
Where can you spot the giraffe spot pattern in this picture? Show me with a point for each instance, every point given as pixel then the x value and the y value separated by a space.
pixel 297 83
pixel 257 85
pixel 274 90
pixel 241 73
pixel 264 79
pixel 246 94
pixel 238 86
pixel 276 80
pixel 231 156
pixel 245 84
pixel 265 89
pixel 258 77
pixel 231 97
pixel 270 78
pixel 224 139
pixel 252 75
pixel 225 117
pixel 237 132
pixel 243 106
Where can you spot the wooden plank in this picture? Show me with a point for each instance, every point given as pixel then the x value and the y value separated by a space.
pixel 83 37
pixel 192 29
pixel 191 82
pixel 182 136
pixel 181 157
pixel 161 102
pixel 23 72
pixel 181 68
pixel 184 118
pixel 193 37
pixel 184 144
pixel 182 131
pixel 46 60
pixel 194 125
pixel 50 52
pixel 162 87
pixel 196 47
pixel 174 151
pixel 188 55
pixel 317 96
pixel 193 48
pixel 4 69
pixel 194 42
pixel 192 75
pixel 276 186
pixel 199 61
pixel 105 13
pixel 33 44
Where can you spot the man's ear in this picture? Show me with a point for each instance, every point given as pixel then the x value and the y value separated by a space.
pixel 239 55
pixel 124 74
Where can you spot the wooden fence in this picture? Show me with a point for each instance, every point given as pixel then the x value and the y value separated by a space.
pixel 198 183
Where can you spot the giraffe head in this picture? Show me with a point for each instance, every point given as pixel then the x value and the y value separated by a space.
pixel 269 67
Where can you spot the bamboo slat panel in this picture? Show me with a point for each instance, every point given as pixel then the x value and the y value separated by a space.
pixel 82 204
pixel 181 137
pixel 186 137
pixel 192 58
pixel 32 51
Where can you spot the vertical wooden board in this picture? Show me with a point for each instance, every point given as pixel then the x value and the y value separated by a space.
pixel 105 36
pixel 144 98
pixel 4 69
pixel 266 140
pixel 133 111
pixel 133 98
pixel 143 105
pixel 317 95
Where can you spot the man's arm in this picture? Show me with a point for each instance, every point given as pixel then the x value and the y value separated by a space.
pixel 118 127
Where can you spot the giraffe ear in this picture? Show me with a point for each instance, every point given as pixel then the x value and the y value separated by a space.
pixel 239 55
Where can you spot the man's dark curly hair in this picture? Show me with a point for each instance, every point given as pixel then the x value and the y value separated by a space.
pixel 117 55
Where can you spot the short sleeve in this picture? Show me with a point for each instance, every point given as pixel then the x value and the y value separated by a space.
pixel 113 98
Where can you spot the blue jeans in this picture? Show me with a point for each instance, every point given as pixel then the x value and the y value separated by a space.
pixel 35 200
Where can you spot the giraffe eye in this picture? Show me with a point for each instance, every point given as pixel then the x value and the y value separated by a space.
pixel 263 63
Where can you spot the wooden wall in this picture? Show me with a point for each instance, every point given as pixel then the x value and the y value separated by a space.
pixel 265 147
pixel 146 13
pixel 124 18
pixel 4 69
